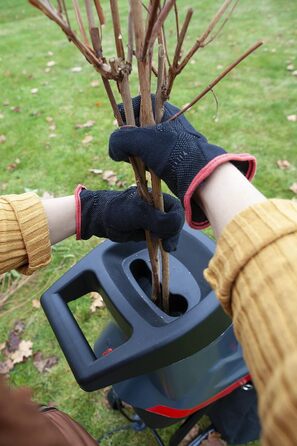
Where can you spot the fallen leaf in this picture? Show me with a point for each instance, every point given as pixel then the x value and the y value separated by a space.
pixel 96 171
pixel 36 303
pixel 13 342
pixel 293 188
pixel 34 90
pixel 283 164
pixel 2 139
pixel 49 119
pixel 6 103
pixel 99 104
pixel 294 73
pixel 76 69
pixel 47 70
pixel 52 135
pixel 87 139
pixel 11 167
pixel 6 366
pixel 16 109
pixel 51 63
pixel 219 67
pixel 2 346
pixel 95 83
pixel 86 125
pixel 290 67
pixel 214 439
pixel 19 327
pixel 24 351
pixel 44 364
pixel 97 301
pixel 292 118
pixel 110 177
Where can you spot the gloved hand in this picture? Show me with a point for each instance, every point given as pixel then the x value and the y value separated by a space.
pixel 123 216
pixel 178 154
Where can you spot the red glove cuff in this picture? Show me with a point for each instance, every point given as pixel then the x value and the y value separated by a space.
pixel 205 172
pixel 77 191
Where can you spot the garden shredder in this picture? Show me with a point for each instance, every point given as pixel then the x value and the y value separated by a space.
pixel 168 367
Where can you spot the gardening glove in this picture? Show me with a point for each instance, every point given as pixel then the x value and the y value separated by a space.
pixel 178 154
pixel 124 216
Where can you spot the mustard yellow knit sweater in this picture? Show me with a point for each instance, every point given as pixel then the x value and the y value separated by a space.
pixel 254 273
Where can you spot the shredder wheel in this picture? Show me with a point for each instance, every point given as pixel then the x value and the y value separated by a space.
pixel 113 400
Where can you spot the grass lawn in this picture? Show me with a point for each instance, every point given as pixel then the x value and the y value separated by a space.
pixel 254 102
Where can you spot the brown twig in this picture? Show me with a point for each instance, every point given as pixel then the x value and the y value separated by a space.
pixel 159 23
pixel 217 79
pixel 152 18
pixel 146 118
pixel 117 28
pixel 177 52
pixel 176 20
pixel 201 40
pixel 99 12
pixel 80 22
pixel 130 39
pixel 212 38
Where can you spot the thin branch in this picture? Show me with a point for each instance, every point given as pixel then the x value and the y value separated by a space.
pixel 112 101
pixel 200 41
pixel 152 19
pixel 80 21
pixel 178 48
pixel 66 13
pixel 212 38
pixel 160 85
pixel 117 28
pixel 130 39
pixel 176 20
pixel 217 79
pixel 99 12
pixel 89 54
pixel 159 22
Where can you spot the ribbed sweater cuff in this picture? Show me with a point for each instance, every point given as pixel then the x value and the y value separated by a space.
pixel 34 231
pixel 246 235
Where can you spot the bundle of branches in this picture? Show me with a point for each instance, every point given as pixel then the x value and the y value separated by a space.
pixel 145 32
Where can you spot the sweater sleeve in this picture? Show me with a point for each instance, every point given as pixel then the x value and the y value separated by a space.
pixel 254 274
pixel 24 234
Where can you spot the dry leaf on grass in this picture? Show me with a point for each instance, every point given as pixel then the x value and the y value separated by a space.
pixel 2 139
pixel 110 177
pixel 95 83
pixel 36 303
pixel 6 366
pixel 214 439
pixel 44 364
pixel 292 118
pixel 76 69
pixel 290 67
pixel 16 109
pixel 96 171
pixel 34 90
pixel 24 351
pixel 97 301
pixel 86 125
pixel 283 164
pixel 293 188
pixel 12 166
pixel 51 63
pixel 87 139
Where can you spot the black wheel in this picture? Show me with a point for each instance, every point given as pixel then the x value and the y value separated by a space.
pixel 113 400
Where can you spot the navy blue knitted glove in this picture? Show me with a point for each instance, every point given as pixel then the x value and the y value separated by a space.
pixel 178 154
pixel 123 216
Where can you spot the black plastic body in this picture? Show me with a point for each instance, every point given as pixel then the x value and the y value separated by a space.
pixel 153 338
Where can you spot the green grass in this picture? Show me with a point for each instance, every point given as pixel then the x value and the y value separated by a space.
pixel 254 102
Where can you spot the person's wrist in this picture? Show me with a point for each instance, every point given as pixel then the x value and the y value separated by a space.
pixel 90 206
